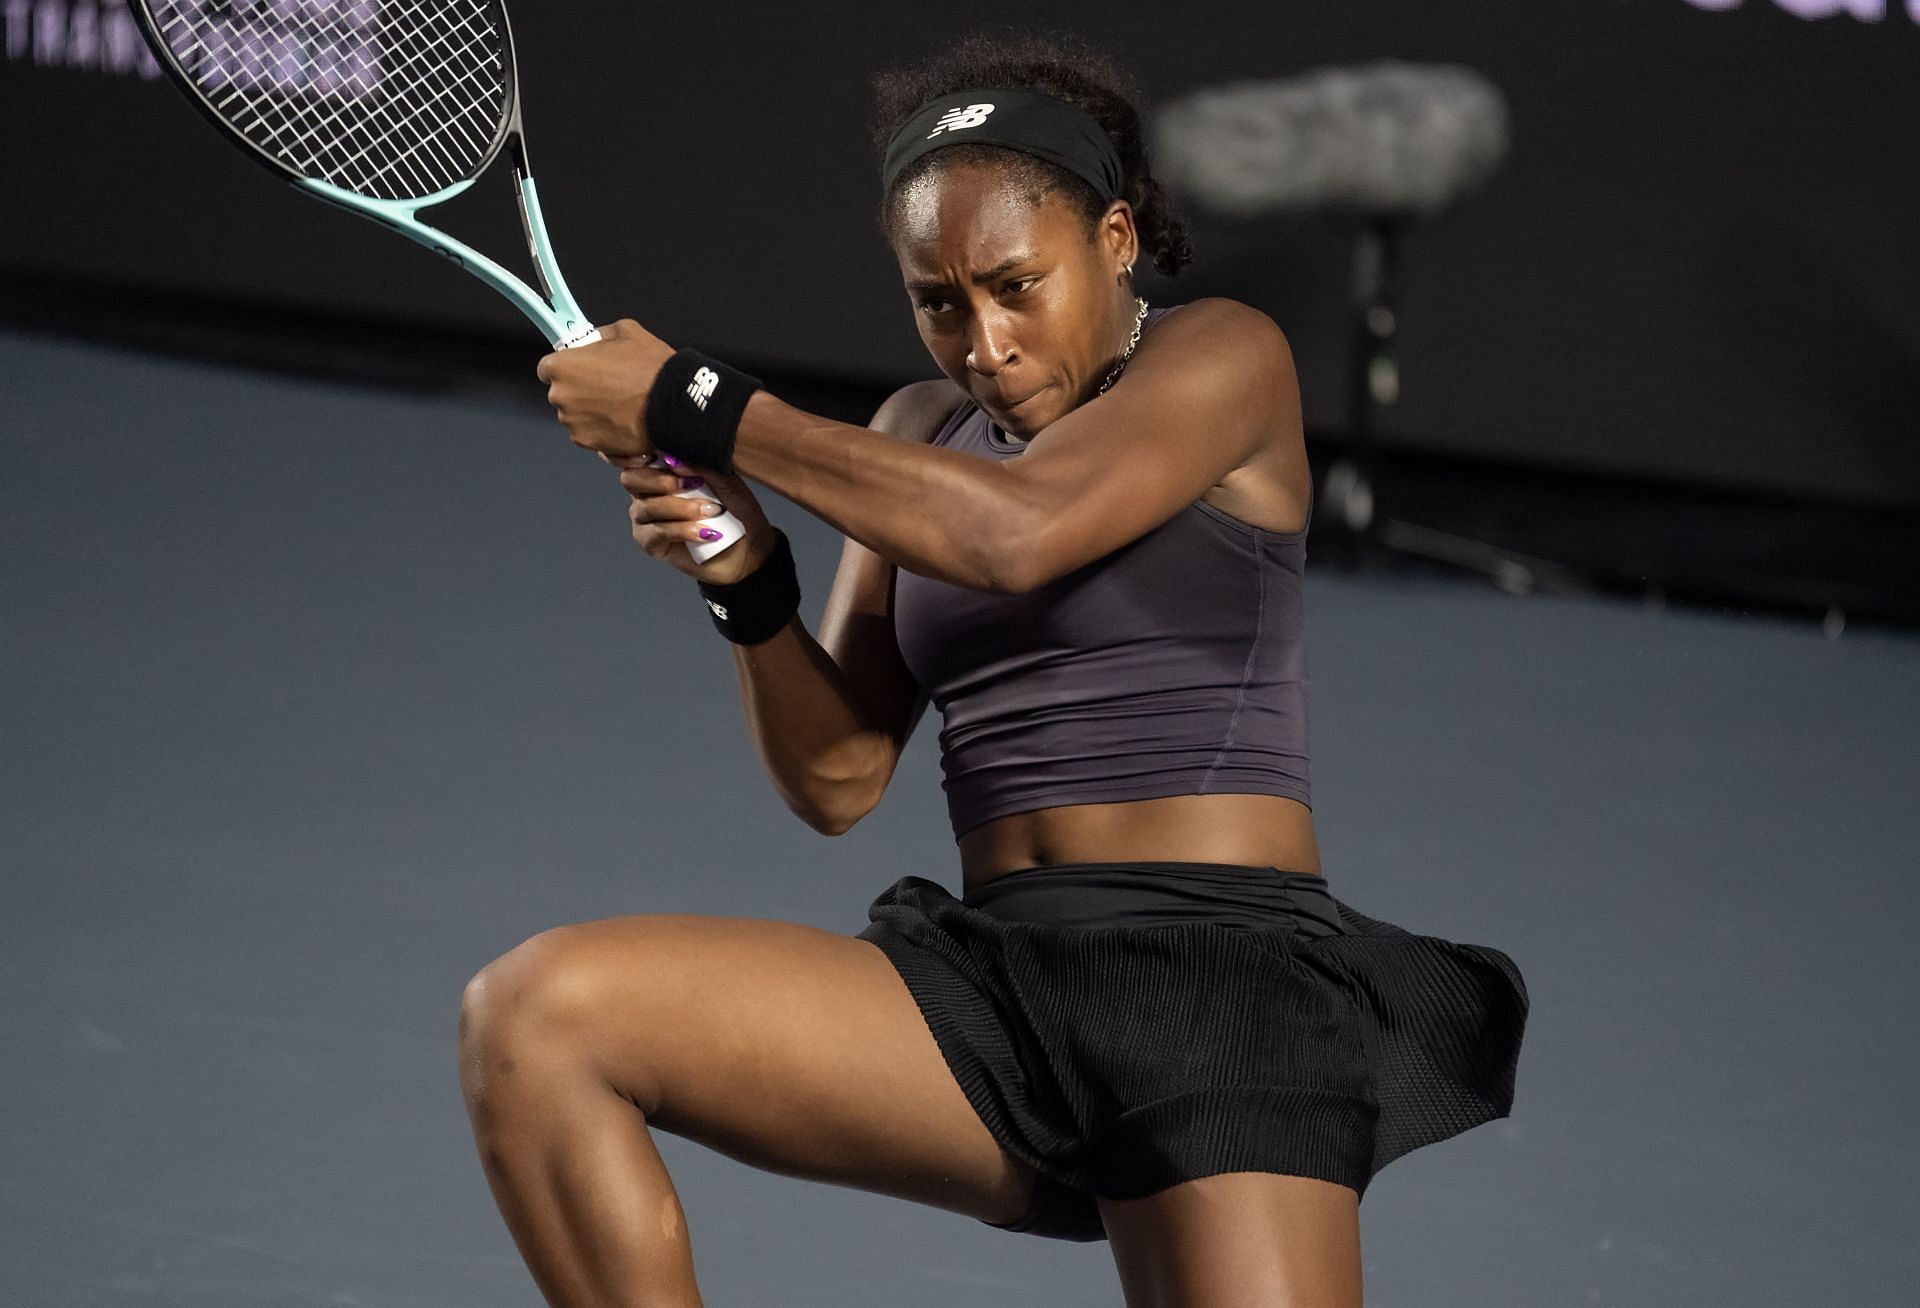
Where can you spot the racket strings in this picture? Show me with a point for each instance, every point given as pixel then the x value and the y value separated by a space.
pixel 309 144
pixel 444 134
pixel 392 99
pixel 392 119
pixel 414 139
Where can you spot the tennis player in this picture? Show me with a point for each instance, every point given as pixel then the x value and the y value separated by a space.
pixel 1146 1019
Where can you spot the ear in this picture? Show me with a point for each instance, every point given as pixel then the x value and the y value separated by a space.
pixel 1116 235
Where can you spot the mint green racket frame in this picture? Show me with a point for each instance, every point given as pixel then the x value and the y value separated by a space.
pixel 552 308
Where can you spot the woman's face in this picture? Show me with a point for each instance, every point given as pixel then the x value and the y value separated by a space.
pixel 1014 302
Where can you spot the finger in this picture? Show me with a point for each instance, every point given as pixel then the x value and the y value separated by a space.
pixel 544 369
pixel 641 482
pixel 681 468
pixel 672 508
pixel 695 532
pixel 651 481
pixel 679 508
pixel 640 478
pixel 662 539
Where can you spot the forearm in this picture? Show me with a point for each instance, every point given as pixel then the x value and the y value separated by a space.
pixel 937 512
pixel 828 762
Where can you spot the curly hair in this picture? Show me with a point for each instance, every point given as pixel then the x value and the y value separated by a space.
pixel 1061 65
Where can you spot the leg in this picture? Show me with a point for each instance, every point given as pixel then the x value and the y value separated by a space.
pixel 1238 1240
pixel 784 1046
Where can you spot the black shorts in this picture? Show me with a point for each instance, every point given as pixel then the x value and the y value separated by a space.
pixel 1122 1027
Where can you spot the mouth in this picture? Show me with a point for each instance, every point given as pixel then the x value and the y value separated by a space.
pixel 1010 407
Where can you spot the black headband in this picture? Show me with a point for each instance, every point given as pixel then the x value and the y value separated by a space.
pixel 1028 121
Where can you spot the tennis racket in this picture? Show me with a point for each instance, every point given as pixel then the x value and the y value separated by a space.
pixel 383 107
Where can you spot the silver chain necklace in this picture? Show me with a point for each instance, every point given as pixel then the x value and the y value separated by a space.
pixel 1139 320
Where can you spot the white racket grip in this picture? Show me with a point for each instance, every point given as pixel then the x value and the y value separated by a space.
pixel 730 528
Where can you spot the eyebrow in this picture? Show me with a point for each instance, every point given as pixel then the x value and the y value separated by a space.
pixel 980 278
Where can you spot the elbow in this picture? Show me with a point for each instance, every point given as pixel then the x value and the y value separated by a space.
pixel 1010 573
pixel 835 821
pixel 1019 555
pixel 1023 566
pixel 835 825
pixel 834 810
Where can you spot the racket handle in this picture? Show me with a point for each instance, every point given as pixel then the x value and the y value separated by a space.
pixel 730 528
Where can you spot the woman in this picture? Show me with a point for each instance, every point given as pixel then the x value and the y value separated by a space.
pixel 1146 1019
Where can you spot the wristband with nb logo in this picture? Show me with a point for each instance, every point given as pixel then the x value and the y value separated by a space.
pixel 760 604
pixel 694 409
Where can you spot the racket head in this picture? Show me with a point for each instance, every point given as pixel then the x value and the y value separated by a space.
pixel 390 100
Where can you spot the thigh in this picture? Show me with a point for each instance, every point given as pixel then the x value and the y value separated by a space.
pixel 784 1046
pixel 1238 1240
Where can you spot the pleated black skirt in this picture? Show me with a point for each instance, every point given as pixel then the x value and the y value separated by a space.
pixel 1123 1027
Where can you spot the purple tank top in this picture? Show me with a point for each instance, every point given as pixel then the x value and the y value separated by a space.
pixel 1173 666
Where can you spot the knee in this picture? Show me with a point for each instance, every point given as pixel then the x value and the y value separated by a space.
pixel 526 1005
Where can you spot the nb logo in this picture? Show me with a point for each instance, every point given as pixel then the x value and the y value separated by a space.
pixel 701 388
pixel 954 119
pixel 719 610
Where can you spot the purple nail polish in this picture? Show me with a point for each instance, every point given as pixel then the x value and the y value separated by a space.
pixel 669 460
pixel 708 533
pixel 692 483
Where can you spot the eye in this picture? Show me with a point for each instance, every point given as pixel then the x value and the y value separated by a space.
pixel 931 305
pixel 1020 284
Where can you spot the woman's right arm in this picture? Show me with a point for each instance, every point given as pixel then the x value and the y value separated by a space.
pixel 830 717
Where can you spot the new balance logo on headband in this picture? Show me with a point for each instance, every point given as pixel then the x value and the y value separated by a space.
pixel 701 388
pixel 954 119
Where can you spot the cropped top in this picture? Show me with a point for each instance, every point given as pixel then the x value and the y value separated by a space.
pixel 1173 666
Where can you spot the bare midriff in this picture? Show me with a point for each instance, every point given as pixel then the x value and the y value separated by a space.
pixel 1257 830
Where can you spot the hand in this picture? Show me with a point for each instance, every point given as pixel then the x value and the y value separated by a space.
pixel 600 390
pixel 664 521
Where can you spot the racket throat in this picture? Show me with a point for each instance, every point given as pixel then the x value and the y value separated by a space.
pixel 556 314
pixel 546 268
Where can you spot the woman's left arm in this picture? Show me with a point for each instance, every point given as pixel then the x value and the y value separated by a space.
pixel 1203 393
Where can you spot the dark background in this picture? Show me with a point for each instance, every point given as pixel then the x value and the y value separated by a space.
pixel 1699 264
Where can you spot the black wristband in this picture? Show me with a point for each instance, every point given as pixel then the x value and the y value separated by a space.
pixel 694 409
pixel 759 605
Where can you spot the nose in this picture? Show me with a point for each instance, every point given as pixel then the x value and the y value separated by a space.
pixel 990 347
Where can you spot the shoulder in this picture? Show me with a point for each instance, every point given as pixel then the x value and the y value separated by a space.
pixel 1217 324
pixel 1219 358
pixel 918 410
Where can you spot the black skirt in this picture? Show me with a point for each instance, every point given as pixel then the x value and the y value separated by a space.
pixel 1123 1027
